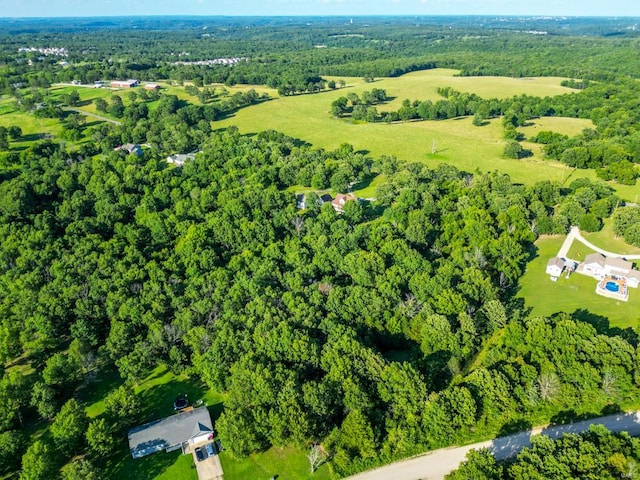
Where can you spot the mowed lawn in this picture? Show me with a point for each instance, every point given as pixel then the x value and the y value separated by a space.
pixel 283 463
pixel 607 240
pixel 574 295
pixel 458 142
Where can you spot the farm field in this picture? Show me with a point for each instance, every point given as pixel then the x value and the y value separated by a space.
pixel 575 295
pixel 457 141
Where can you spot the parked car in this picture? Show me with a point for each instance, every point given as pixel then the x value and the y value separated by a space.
pixel 211 449
pixel 199 454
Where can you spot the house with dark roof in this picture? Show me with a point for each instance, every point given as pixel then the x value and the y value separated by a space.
pixel 171 433
pixel 130 148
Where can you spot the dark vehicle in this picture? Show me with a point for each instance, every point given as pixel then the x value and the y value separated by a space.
pixel 211 449
pixel 199 454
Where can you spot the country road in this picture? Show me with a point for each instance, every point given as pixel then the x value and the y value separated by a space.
pixel 436 464
pixel 87 114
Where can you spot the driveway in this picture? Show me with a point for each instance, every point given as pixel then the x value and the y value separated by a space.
pixel 208 469
pixel 574 234
pixel 435 465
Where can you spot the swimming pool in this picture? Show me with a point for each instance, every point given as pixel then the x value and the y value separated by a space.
pixel 612 286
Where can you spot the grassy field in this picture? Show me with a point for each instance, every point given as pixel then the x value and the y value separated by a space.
pixel 288 463
pixel 458 142
pixel 575 295
pixel 32 128
pixel 423 85
pixel 606 240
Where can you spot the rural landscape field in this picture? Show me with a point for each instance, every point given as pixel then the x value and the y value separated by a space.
pixel 318 247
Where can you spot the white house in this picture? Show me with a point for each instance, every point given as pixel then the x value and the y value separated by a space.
pixel 599 266
pixel 555 266
pixel 633 278
pixel 124 83
pixel 179 158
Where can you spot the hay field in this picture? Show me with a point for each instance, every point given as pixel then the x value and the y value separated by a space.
pixel 470 148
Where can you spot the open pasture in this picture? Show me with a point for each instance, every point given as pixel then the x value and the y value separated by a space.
pixel 424 84
pixel 457 141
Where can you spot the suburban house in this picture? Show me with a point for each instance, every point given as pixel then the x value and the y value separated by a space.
pixel 171 433
pixel 340 200
pixel 599 266
pixel 124 83
pixel 130 148
pixel 555 267
pixel 301 201
pixel 152 86
pixel 178 159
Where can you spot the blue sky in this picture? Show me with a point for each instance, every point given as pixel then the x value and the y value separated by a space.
pixel 62 8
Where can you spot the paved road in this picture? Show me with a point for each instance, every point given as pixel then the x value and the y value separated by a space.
pixel 87 114
pixel 574 234
pixel 435 465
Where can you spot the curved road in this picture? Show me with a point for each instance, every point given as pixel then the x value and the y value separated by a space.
pixel 574 234
pixel 436 464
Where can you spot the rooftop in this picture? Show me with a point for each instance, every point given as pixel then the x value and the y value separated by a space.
pixel 169 432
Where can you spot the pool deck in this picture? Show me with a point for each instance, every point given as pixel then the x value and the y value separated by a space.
pixel 621 294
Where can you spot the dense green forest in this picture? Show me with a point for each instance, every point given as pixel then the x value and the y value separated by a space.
pixel 381 331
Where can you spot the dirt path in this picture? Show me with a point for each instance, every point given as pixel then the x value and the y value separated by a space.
pixel 435 465
pixel 87 114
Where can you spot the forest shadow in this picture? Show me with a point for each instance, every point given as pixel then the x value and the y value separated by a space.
pixel 603 326
pixel 157 402
pixel 122 465
pixel 514 426
pixel 532 253
pixel 569 416
pixel 31 137
pixel 364 183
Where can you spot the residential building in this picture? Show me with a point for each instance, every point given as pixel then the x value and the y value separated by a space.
pixel 130 148
pixel 340 200
pixel 555 267
pixel 178 159
pixel 171 433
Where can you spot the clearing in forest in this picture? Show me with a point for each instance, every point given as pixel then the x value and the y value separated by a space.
pixel 470 148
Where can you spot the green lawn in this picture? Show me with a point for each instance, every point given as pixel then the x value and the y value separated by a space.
pixel 458 142
pixel 574 295
pixel 288 463
pixel 606 240
pixel 578 251
pixel 33 128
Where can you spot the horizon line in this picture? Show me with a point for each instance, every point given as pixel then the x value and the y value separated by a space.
pixel 297 15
